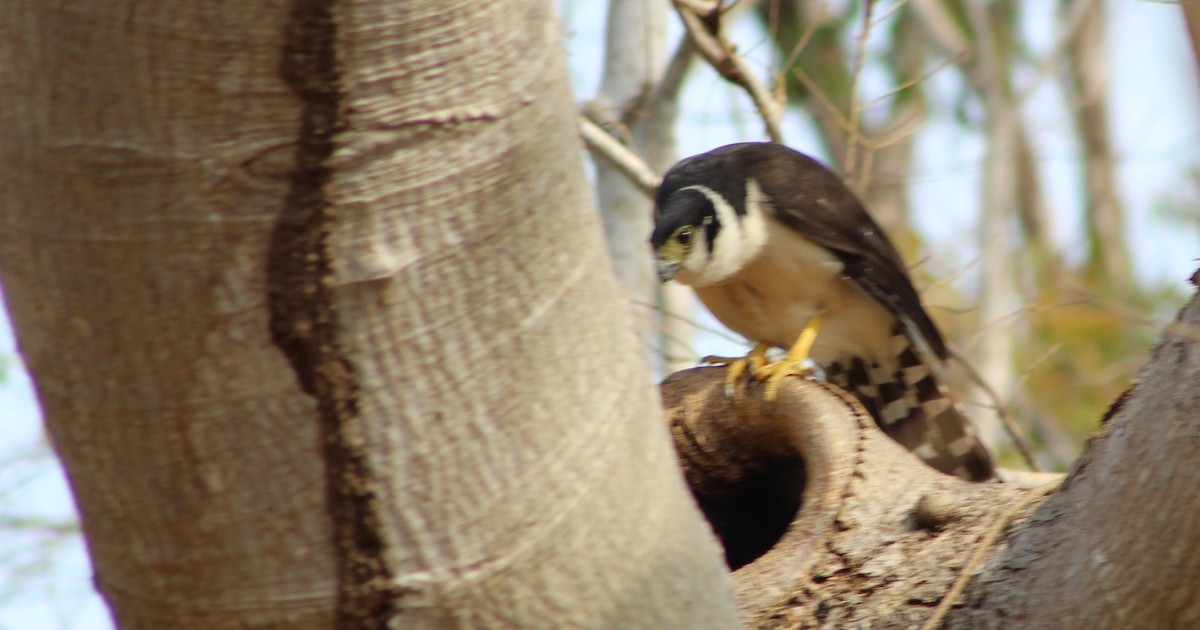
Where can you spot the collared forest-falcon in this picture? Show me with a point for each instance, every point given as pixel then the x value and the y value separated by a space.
pixel 783 253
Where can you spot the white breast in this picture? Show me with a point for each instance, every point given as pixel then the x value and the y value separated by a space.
pixel 773 295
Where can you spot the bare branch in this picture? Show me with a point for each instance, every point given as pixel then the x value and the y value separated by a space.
pixel 1108 255
pixel 699 7
pixel 827 103
pixel 858 176
pixel 701 23
pixel 942 27
pixel 606 147
pixel 39 524
pixel 888 13
pixel 809 30
pixel 953 59
pixel 903 129
pixel 1014 430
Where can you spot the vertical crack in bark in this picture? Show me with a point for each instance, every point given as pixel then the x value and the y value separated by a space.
pixel 304 322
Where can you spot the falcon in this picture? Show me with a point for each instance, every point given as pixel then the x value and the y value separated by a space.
pixel 784 254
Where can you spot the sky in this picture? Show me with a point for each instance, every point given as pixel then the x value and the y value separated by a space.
pixel 45 580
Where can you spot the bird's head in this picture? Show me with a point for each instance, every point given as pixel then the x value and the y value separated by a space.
pixel 683 236
pixel 710 218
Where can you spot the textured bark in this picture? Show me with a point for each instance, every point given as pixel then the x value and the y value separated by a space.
pixel 302 286
pixel 878 537
pixel 145 149
pixel 460 319
pixel 1115 548
pixel 524 485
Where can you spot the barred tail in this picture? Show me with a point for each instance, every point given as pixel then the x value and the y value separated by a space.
pixel 915 409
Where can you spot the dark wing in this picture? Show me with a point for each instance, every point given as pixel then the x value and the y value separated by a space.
pixel 827 213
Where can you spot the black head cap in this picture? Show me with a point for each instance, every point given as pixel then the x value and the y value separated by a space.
pixel 685 207
pixel 722 171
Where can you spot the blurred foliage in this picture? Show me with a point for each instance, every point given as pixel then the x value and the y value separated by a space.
pixel 1080 352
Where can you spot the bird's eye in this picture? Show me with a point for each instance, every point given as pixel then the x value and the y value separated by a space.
pixel 684 237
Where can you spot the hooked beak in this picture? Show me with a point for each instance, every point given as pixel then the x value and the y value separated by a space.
pixel 667 269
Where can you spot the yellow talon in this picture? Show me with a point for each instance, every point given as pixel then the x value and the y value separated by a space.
pixel 774 373
pixel 736 366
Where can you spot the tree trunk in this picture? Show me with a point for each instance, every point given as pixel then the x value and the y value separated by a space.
pixel 1114 548
pixel 145 152
pixel 437 280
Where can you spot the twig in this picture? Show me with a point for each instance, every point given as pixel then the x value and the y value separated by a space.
pixel 1014 430
pixel 917 80
pixel 732 67
pixel 839 118
pixel 853 133
pixel 942 27
pixel 809 30
pixel 892 10
pixel 944 30
pixel 1028 369
pixel 987 541
pixel 603 145
pixel 699 7
pixel 694 323
pixel 902 130
pixel 39 525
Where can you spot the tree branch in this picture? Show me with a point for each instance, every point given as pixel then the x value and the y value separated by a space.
pixel 825 519
pixel 702 23
pixel 1014 430
pixel 608 148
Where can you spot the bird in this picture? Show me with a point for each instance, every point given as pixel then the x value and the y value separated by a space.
pixel 782 252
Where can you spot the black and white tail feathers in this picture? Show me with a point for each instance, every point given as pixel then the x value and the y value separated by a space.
pixel 915 409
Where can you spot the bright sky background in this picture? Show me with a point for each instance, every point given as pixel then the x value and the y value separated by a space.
pixel 45 581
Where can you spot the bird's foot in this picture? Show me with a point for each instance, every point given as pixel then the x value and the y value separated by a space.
pixel 737 366
pixel 795 363
pixel 773 374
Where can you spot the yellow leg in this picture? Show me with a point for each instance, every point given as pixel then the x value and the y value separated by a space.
pixel 774 373
pixel 737 366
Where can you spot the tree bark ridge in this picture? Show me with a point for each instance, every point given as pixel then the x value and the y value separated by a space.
pixel 146 151
pixel 879 536
pixel 501 384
